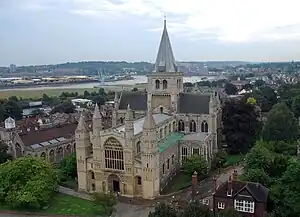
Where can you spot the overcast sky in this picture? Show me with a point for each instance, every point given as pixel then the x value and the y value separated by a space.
pixel 56 31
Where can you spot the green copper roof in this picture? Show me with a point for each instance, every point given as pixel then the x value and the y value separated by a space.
pixel 170 140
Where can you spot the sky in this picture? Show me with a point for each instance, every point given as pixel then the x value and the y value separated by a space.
pixel 58 31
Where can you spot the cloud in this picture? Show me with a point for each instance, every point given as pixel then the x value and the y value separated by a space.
pixel 232 21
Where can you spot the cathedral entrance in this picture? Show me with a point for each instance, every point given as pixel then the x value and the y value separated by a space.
pixel 113 183
pixel 116 186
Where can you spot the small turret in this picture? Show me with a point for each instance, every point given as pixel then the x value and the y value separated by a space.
pixel 9 123
pixel 149 122
pixel 129 128
pixel 82 126
pixel 115 110
pixel 97 119
pixel 129 114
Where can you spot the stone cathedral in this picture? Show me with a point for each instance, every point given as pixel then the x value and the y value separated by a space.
pixel 152 133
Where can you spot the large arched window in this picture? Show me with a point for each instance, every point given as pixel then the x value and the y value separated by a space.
pixel 114 156
pixel 174 126
pixel 59 154
pixel 157 84
pixel 51 156
pixel 138 147
pixel 43 156
pixel 204 127
pixel 180 125
pixel 192 126
pixel 165 84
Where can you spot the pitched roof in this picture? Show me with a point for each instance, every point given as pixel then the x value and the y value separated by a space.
pixel 136 100
pixel 39 136
pixel 258 191
pixel 165 60
pixel 193 103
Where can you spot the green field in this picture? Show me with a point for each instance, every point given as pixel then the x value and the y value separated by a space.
pixel 37 93
pixel 67 205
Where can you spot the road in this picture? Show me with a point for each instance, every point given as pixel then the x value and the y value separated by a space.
pixel 141 208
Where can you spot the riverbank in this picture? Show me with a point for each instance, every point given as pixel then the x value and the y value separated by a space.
pixel 38 93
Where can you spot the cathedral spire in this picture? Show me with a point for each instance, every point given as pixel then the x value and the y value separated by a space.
pixel 82 127
pixel 149 122
pixel 97 114
pixel 165 60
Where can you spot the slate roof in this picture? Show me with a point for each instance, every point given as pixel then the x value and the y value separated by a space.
pixel 39 136
pixel 136 100
pixel 193 103
pixel 258 191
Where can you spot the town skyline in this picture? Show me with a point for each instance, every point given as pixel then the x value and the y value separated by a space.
pixel 73 31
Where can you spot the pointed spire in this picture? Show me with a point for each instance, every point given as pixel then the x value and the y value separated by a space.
pixel 97 114
pixel 165 60
pixel 116 96
pixel 149 122
pixel 129 115
pixel 82 124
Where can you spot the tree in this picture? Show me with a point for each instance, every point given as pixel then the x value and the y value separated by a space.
pixel 12 109
pixel 27 182
pixel 230 89
pixel 196 210
pixel 195 163
pixel 281 124
pixel 229 213
pixel 270 98
pixel 107 201
pixel 69 166
pixel 251 101
pixel 256 175
pixel 163 210
pixel 295 107
pixel 65 107
pixel 2 112
pixel 99 99
pixel 135 89
pixel 241 126
pixel 4 156
pixel 46 98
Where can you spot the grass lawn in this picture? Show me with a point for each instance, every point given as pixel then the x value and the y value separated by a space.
pixel 38 93
pixel 180 181
pixel 67 205
pixel 233 159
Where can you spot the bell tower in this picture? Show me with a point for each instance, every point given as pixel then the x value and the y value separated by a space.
pixel 165 82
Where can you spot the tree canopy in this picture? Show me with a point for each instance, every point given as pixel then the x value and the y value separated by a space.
pixel 27 182
pixel 281 124
pixel 4 156
pixel 241 125
pixel 195 163
pixel 230 89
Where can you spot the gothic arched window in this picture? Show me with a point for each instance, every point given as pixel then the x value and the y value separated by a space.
pixel 180 125
pixel 157 84
pixel 165 84
pixel 138 147
pixel 114 156
pixel 204 127
pixel 192 126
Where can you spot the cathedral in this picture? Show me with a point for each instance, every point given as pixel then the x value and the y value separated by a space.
pixel 152 133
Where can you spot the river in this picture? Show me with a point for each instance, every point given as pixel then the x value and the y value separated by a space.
pixel 136 80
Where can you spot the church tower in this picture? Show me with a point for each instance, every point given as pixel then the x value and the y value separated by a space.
pixel 165 82
pixel 150 158
pixel 83 151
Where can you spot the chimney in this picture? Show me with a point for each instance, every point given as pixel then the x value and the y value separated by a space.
pixel 235 175
pixel 214 184
pixel 229 187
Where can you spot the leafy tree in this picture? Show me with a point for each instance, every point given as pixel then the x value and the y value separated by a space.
pixel 251 101
pixel 65 107
pixel 4 156
pixel 107 201
pixel 2 112
pixel 256 175
pixel 163 210
pixel 101 92
pixel 195 163
pixel 13 98
pixel 270 98
pixel 86 94
pixel 285 193
pixel 196 210
pixel 229 213
pixel 46 98
pixel 230 89
pixel 281 125
pixel 295 107
pixel 27 182
pixel 13 110
pixel 135 89
pixel 69 165
pixel 241 126
pixel 99 99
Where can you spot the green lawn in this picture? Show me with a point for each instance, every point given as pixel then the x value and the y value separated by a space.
pixel 233 159
pixel 179 182
pixel 67 205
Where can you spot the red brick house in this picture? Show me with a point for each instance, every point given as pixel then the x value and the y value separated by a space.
pixel 248 198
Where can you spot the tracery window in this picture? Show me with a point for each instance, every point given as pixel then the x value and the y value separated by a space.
pixel 157 84
pixel 192 126
pixel 180 125
pixel 204 127
pixel 114 155
pixel 165 84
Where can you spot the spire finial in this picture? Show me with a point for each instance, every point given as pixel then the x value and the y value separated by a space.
pixel 165 20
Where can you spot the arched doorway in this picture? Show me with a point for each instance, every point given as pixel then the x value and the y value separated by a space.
pixel 113 183
pixel 91 181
